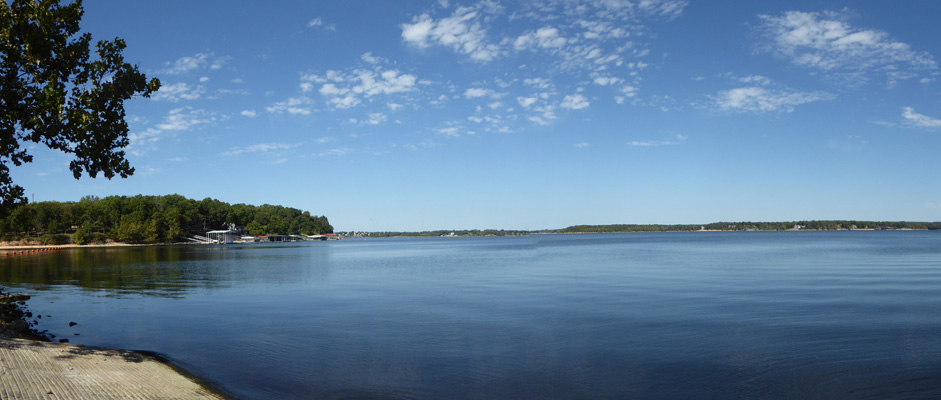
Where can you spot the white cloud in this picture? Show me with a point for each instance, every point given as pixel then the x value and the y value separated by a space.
pixel 319 24
pixel 293 105
pixel 526 102
pixel 452 131
pixel 592 36
pixel 545 116
pixel 207 60
pixel 546 37
pixel 539 83
pixel 178 91
pixel 823 40
pixel 919 120
pixel 601 30
pixel 462 32
pixel 629 91
pixel 341 151
pixel 249 113
pixel 481 92
pixel 376 119
pixel 476 92
pixel 581 145
pixel 677 139
pixel 259 148
pixel 606 80
pixel 427 144
pixel 177 120
pixel 150 170
pixel 756 79
pixel 184 118
pixel 761 99
pixel 369 58
pixel 342 102
pixel 348 89
pixel 603 42
pixel 574 102
pixel 663 8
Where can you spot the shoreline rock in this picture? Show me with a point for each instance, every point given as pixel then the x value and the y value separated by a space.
pixel 13 318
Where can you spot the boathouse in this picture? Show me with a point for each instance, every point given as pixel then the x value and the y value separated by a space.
pixel 222 237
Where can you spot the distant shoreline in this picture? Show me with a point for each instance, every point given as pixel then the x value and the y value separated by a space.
pixel 431 234
pixel 578 229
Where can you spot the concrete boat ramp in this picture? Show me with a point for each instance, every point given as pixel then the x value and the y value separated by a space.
pixel 41 370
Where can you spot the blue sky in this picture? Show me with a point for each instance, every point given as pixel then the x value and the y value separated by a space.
pixel 420 115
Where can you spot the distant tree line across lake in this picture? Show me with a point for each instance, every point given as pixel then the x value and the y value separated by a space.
pixel 151 219
pixel 715 226
pixel 758 226
pixel 445 233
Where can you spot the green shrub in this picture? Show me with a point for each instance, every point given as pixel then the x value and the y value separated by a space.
pixel 86 236
pixel 48 240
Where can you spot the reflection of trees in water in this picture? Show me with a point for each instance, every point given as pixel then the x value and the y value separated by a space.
pixel 169 271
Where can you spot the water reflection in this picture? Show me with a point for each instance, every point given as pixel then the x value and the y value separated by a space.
pixel 164 271
pixel 648 315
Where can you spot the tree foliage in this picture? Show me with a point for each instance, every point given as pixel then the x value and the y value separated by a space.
pixel 53 92
pixel 154 219
pixel 757 226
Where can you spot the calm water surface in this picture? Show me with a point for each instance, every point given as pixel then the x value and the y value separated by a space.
pixel 649 315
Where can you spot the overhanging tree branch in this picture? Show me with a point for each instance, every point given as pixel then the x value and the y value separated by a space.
pixel 53 92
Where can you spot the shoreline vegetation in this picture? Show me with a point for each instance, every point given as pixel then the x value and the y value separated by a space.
pixel 126 224
pixel 834 225
pixel 147 220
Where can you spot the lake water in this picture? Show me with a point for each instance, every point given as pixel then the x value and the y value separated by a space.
pixel 645 315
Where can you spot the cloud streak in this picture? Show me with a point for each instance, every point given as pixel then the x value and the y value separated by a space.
pixel 180 119
pixel 259 148
pixel 678 139
pixel 758 99
pixel 766 97
pixel 919 120
pixel 825 41
pixel 199 61
pixel 178 91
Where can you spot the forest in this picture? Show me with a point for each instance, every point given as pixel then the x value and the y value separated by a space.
pixel 448 233
pixel 150 219
pixel 758 226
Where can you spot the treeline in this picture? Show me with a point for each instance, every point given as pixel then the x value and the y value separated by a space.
pixel 628 228
pixel 757 226
pixel 449 233
pixel 152 219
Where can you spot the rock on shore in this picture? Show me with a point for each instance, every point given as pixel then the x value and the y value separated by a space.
pixel 13 318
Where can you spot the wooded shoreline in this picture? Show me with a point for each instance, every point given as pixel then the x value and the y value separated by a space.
pixel 833 225
pixel 149 219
